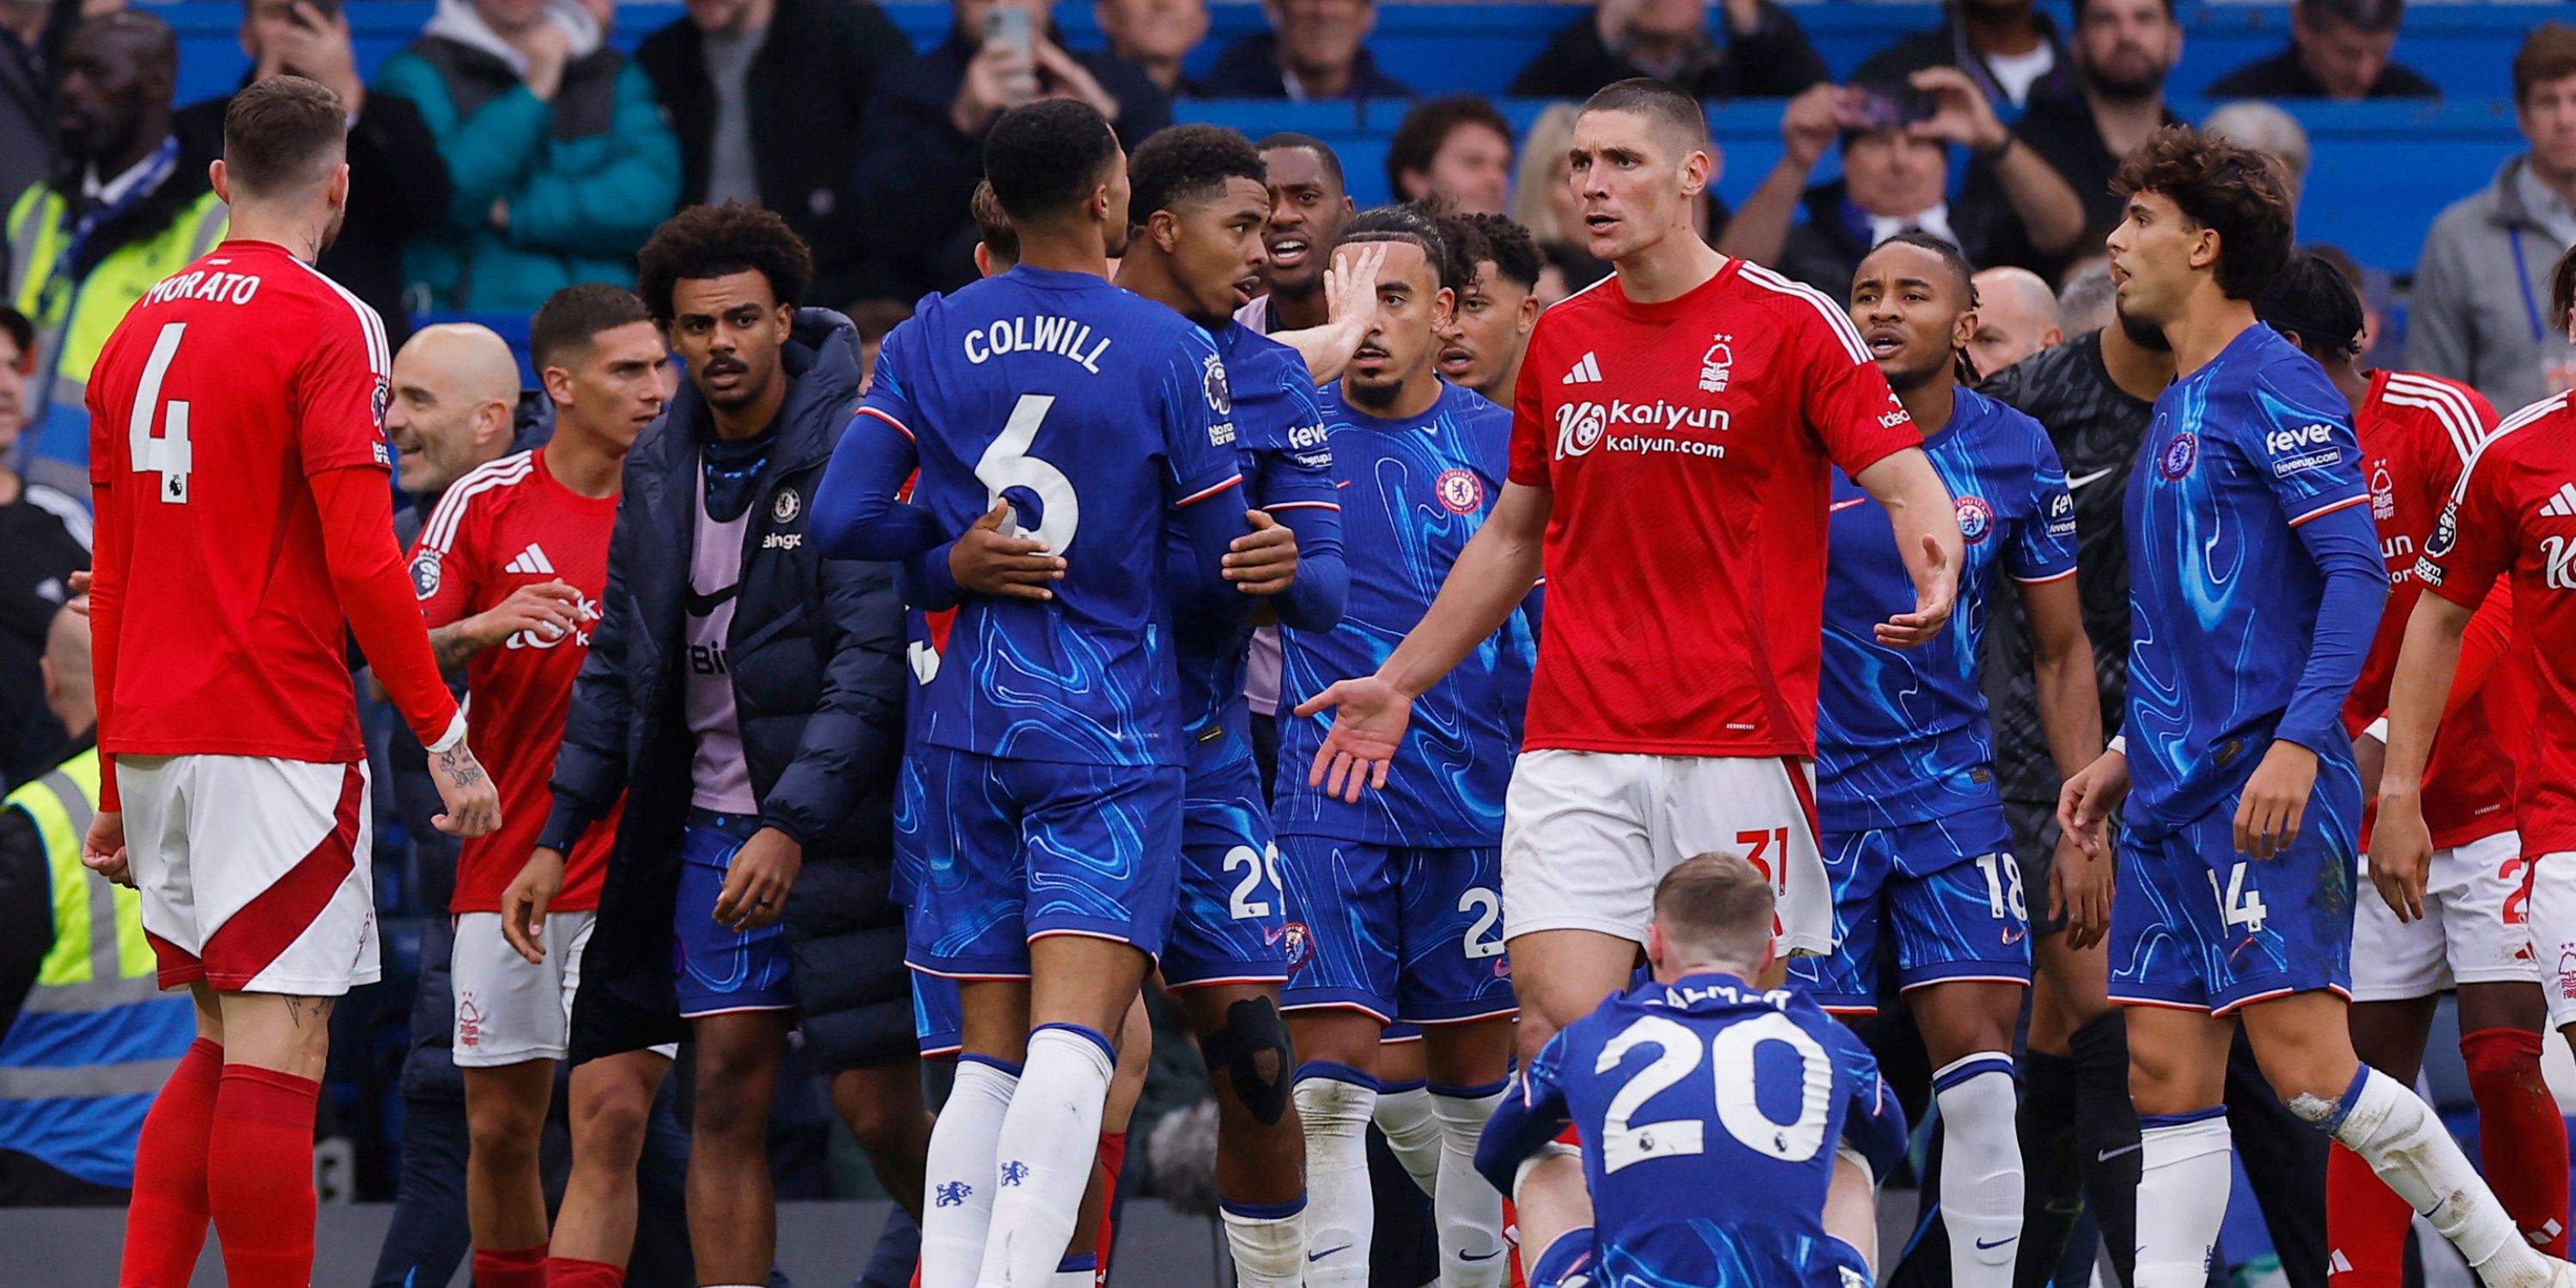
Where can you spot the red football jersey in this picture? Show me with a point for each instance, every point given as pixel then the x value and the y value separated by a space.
pixel 2417 434
pixel 1686 443
pixel 228 386
pixel 506 525
pixel 2514 513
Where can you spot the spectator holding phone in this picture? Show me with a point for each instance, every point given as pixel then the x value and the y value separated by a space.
pixel 1895 142
pixel 398 184
pixel 1763 54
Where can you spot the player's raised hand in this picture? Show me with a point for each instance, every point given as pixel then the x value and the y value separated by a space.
pixel 524 904
pixel 987 562
pixel 756 885
pixel 549 608
pixel 1369 716
pixel 2079 892
pixel 2085 803
pixel 2274 801
pixel 1936 591
pixel 473 803
pixel 2401 853
pixel 103 848
pixel 1350 293
pixel 1263 561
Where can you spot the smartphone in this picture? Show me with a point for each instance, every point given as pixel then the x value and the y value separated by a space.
pixel 1890 107
pixel 1009 25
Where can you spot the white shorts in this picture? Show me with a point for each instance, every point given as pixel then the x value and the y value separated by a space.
pixel 2473 931
pixel 254 872
pixel 2553 932
pixel 509 1010
pixel 1588 834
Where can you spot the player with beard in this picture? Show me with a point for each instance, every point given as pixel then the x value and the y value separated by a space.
pixel 1496 311
pixel 2122 50
pixel 1305 302
pixel 2261 578
pixel 2468 930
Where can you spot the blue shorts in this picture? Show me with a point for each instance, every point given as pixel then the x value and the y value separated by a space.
pixel 1227 924
pixel 992 853
pixel 715 968
pixel 2196 925
pixel 938 1018
pixel 1401 933
pixel 1946 891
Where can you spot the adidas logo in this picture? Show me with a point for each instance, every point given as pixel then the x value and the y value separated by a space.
pixel 1586 372
pixel 533 562
pixel 2563 505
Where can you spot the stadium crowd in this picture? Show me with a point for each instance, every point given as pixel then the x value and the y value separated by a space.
pixel 780 801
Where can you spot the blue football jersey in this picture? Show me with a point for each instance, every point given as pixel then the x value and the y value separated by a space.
pixel 1096 413
pixel 1710 1112
pixel 1413 492
pixel 2248 493
pixel 1287 471
pixel 1902 734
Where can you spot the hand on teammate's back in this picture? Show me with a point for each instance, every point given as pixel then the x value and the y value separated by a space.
pixel 1263 561
pixel 524 904
pixel 473 802
pixel 1369 717
pixel 2079 892
pixel 986 562
pixel 756 886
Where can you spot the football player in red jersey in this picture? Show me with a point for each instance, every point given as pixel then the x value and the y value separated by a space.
pixel 1672 432
pixel 2417 435
pixel 245 524
pixel 510 569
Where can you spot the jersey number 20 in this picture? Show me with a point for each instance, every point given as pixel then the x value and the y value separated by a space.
pixel 1678 1054
pixel 166 454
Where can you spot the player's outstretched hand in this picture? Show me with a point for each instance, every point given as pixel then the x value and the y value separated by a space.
pixel 1369 716
pixel 985 562
pixel 2275 800
pixel 1264 560
pixel 2401 853
pixel 2079 892
pixel 2085 803
pixel 473 803
pixel 1932 602
pixel 103 849
pixel 756 886
pixel 524 904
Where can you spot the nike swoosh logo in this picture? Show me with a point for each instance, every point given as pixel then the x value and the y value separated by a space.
pixel 1985 1245
pixel 701 605
pixel 1469 1256
pixel 2109 1154
pixel 2094 477
pixel 1313 1257
pixel 1840 506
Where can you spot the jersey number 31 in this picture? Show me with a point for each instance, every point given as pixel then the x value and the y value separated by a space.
pixel 1677 1054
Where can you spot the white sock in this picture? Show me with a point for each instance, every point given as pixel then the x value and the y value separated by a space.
pixel 2393 1131
pixel 1269 1242
pixel 2182 1195
pixel 1335 1103
pixel 1467 1212
pixel 1076 1272
pixel 1412 1133
pixel 1044 1154
pixel 957 1207
pixel 1981 1176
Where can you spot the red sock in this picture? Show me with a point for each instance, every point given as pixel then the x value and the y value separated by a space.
pixel 2365 1225
pixel 262 1197
pixel 1519 1277
pixel 165 1223
pixel 572 1272
pixel 510 1267
pixel 2522 1138
pixel 1113 1160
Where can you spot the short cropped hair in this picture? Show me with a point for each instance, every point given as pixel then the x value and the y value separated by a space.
pixel 1510 246
pixel 1324 154
pixel 1655 100
pixel 1716 906
pixel 1407 223
pixel 1424 130
pixel 2311 298
pixel 716 241
pixel 993 224
pixel 2547 54
pixel 2223 186
pixel 1181 164
pixel 283 133
pixel 1043 157
pixel 1943 249
pixel 573 317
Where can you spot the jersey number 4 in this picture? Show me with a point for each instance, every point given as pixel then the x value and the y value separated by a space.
pixel 1677 1055
pixel 166 454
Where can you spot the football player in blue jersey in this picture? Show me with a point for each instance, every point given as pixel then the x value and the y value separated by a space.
pixel 1041 867
pixel 1915 837
pixel 2256 584
pixel 1711 1113
pixel 1394 902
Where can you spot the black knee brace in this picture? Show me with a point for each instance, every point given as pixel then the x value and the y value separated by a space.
pixel 1253 1053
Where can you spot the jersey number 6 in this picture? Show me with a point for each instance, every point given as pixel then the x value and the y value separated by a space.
pixel 1007 464
pixel 1738 1109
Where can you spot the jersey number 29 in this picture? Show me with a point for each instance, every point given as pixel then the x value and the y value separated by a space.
pixel 166 454
pixel 1678 1054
